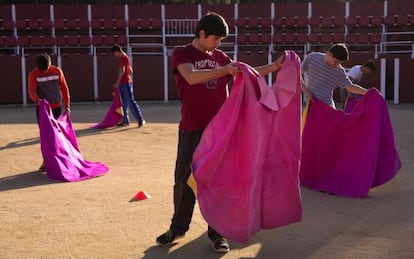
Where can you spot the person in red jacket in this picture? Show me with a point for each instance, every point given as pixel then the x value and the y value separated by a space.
pixel 48 82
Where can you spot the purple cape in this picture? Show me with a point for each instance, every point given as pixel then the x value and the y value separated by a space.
pixel 61 151
pixel 247 164
pixel 113 115
pixel 349 153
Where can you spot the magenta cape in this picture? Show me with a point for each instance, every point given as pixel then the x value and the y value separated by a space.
pixel 349 153
pixel 247 164
pixel 113 115
pixel 60 149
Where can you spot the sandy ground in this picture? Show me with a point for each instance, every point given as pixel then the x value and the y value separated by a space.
pixel 41 218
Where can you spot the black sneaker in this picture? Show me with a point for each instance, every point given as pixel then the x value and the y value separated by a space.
pixel 167 238
pixel 123 124
pixel 141 123
pixel 221 245
pixel 42 167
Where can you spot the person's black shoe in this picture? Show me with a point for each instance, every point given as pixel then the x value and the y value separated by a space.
pixel 221 245
pixel 168 238
pixel 123 124
pixel 42 167
pixel 141 123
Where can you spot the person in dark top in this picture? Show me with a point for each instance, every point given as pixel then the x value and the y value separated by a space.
pixel 48 82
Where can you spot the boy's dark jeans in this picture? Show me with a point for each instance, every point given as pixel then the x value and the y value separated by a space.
pixel 184 198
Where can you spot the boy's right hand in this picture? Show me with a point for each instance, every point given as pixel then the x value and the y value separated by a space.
pixel 232 69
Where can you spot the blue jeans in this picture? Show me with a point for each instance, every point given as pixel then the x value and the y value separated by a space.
pixel 127 97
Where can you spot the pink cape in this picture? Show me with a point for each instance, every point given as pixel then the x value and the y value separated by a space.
pixel 349 153
pixel 247 163
pixel 61 151
pixel 114 114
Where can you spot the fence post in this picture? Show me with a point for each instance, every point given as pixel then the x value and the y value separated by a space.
pixel 396 80
pixel 24 82
pixel 383 77
pixel 95 75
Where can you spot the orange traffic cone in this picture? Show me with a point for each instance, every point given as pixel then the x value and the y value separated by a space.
pixel 141 195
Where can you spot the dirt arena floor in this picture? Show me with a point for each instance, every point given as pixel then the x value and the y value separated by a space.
pixel 42 218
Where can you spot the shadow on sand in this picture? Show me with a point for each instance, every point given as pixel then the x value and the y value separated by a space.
pixel 25 180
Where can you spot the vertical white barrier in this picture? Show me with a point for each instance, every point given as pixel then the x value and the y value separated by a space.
pixel 90 19
pixel 199 11
pixel 383 77
pixel 165 54
pixel 269 55
pixel 396 80
pixel 236 32
pixel 95 75
pixel 24 82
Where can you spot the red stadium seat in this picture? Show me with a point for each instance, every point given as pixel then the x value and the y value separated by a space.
pixel 21 25
pixel 278 38
pixel 97 40
pixel 156 24
pixel 265 22
pixel 390 20
pixel 326 38
pixel 23 41
pixel 314 38
pixel 10 41
pixel 73 40
pixel 278 22
pixel 375 38
pixel 363 38
pixel 83 24
pixel 242 39
pixel 121 40
pixel 254 38
pixel 45 24
pixel 7 25
pixel 48 41
pixel 351 38
pixel 290 21
pixel 403 20
pixel 96 24
pixel 302 21
pixel 71 25
pixel 352 21
pixel 302 38
pixel 338 21
pixel 33 24
pixel 85 40
pixel 376 21
pixel 109 40
pixel 254 22
pixel 145 24
pixel 120 24
pixel 338 37
pixel 266 38
pixel 108 24
pixel 314 21
pixel 36 41
pixel 133 24
pixel 364 21
pixel 290 38
pixel 59 24
pixel 60 41
pixel 242 22
pixel 327 21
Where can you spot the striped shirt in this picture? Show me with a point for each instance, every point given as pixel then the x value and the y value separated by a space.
pixel 322 79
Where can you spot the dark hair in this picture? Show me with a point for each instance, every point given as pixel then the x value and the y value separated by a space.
pixel 212 24
pixel 369 64
pixel 339 51
pixel 42 61
pixel 116 48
